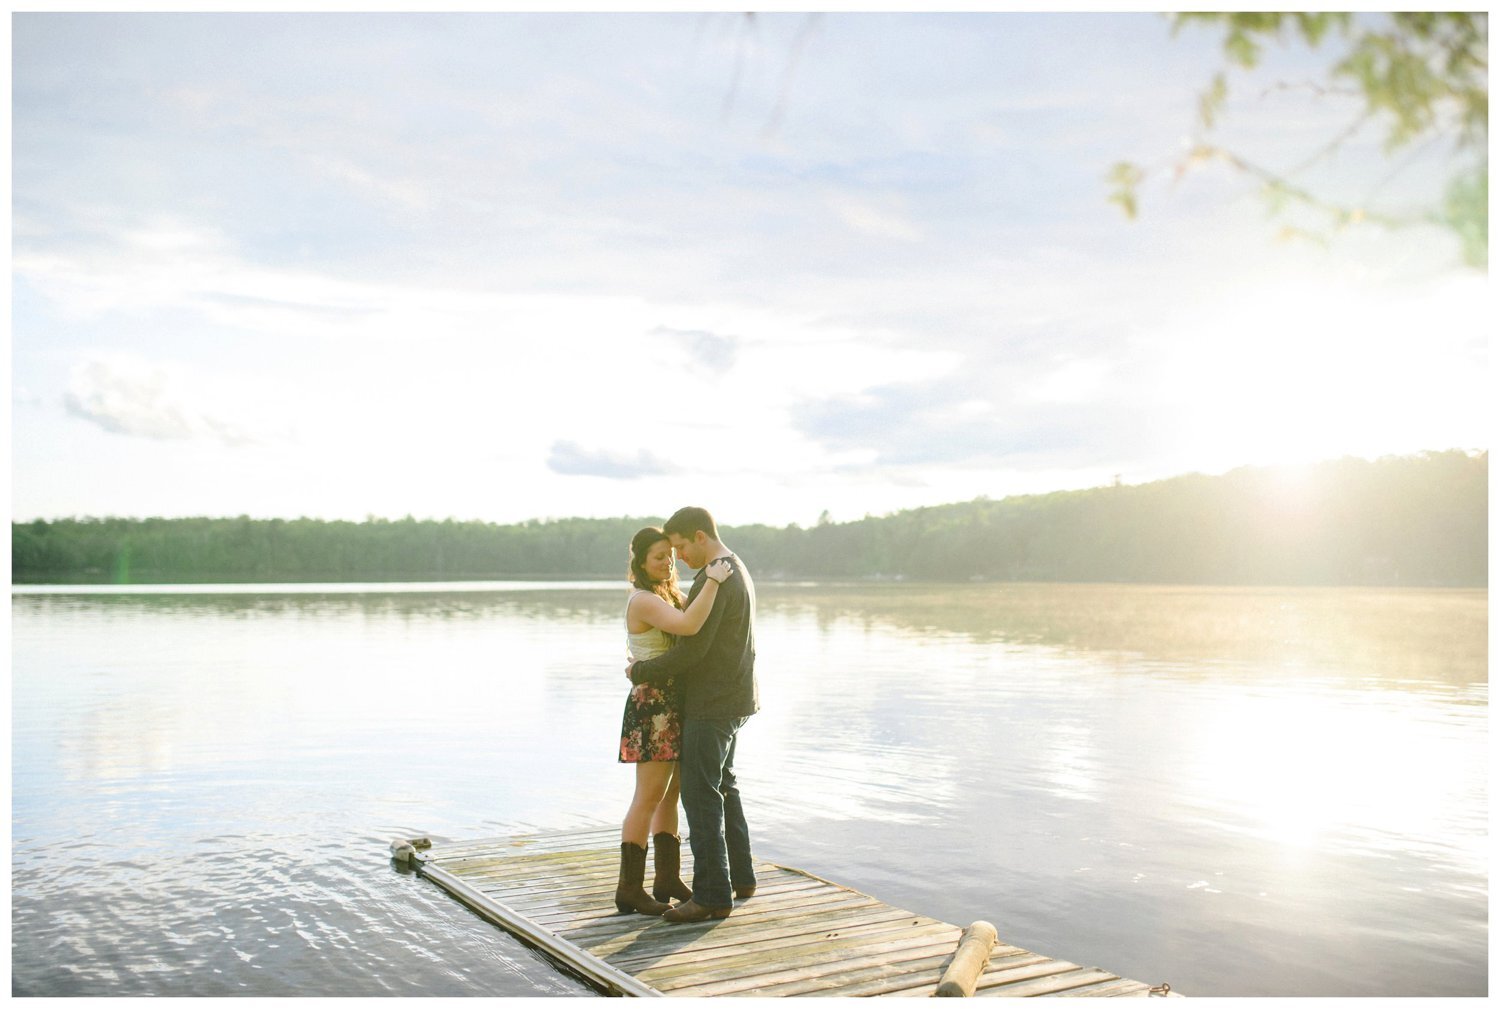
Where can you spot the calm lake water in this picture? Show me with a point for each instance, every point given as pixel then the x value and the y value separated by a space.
pixel 1239 791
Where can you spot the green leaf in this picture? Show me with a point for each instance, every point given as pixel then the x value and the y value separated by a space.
pixel 1242 49
pixel 1314 26
pixel 1466 211
pixel 1126 178
pixel 1126 173
pixel 1212 100
pixel 1275 194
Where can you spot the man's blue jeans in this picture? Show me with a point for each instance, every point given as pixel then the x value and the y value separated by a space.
pixel 716 821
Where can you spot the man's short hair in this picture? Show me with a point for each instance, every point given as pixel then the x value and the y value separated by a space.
pixel 686 522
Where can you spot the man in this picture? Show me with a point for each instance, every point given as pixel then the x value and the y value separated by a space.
pixel 715 669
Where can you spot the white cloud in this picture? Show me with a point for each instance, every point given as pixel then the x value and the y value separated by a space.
pixel 571 459
pixel 869 219
pixel 713 353
pixel 408 194
pixel 1073 381
pixel 140 399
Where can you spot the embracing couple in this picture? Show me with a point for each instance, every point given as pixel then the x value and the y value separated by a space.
pixel 693 674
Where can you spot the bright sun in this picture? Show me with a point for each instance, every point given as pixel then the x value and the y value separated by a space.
pixel 1304 372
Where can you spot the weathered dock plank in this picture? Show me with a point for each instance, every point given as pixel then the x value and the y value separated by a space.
pixel 800 935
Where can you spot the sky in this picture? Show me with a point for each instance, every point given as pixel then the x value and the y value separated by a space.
pixel 505 266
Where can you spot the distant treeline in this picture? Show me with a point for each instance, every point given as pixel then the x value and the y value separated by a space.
pixel 1408 520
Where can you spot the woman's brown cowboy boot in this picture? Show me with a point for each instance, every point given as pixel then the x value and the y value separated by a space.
pixel 668 884
pixel 630 892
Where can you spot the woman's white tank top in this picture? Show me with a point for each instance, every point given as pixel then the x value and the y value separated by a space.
pixel 648 644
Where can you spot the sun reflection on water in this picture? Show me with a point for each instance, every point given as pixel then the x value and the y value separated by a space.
pixel 1297 766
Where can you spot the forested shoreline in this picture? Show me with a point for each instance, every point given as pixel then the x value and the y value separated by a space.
pixel 1417 520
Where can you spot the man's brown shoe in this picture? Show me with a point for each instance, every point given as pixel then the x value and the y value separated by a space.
pixel 689 911
pixel 745 891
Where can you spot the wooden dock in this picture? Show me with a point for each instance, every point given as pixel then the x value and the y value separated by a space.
pixel 799 934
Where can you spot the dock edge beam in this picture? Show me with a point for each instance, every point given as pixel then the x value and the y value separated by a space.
pixel 576 957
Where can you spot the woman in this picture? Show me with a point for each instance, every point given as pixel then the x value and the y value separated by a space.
pixel 651 735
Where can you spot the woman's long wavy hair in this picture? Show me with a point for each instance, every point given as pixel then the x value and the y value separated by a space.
pixel 641 544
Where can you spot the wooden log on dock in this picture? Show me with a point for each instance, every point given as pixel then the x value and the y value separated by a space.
pixel 969 959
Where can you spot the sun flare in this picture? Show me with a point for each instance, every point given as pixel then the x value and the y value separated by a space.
pixel 1308 371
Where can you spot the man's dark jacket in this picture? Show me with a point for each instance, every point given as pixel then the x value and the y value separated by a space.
pixel 715 668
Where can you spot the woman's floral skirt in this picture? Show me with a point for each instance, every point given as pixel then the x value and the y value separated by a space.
pixel 652 728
